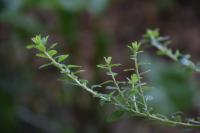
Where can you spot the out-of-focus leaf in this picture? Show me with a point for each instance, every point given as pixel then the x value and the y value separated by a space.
pixel 116 115
pixel 62 58
pixel 52 52
pixel 41 55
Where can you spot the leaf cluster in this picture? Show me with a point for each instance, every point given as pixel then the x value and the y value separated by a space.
pixel 153 38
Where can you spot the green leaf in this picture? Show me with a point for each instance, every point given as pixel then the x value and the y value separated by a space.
pixel 108 59
pixel 36 39
pixel 112 73
pixel 161 53
pixel 129 69
pixel 134 47
pixel 73 66
pixel 53 45
pixel 115 65
pixel 146 88
pixel 41 55
pixel 79 71
pixel 177 53
pixel 116 115
pixel 45 65
pixel 52 52
pixel 95 86
pixel 30 46
pixel 102 66
pixel 106 82
pixel 41 47
pixel 178 118
pixel 153 33
pixel 44 40
pixel 101 84
pixel 62 58
pixel 85 82
pixel 134 78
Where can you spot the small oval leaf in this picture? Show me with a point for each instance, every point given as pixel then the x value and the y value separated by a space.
pixel 62 58
pixel 52 52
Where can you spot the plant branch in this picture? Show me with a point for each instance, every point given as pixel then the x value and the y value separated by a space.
pixel 129 97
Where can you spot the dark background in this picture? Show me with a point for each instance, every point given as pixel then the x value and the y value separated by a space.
pixel 34 101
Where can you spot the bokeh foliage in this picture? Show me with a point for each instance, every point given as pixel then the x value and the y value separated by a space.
pixel 69 109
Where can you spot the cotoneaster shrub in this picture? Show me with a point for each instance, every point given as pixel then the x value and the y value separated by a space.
pixel 128 96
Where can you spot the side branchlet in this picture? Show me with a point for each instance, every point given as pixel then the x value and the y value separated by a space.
pixel 153 38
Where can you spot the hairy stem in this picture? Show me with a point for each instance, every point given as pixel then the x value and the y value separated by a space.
pixel 70 75
pixel 140 86
pixel 117 87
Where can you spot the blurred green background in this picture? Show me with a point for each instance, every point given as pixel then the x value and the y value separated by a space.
pixel 34 101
